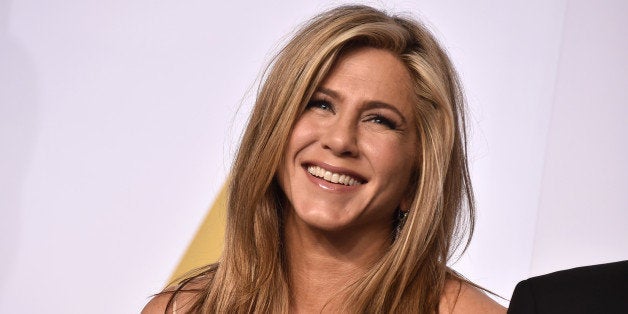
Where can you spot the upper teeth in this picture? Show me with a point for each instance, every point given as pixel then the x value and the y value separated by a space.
pixel 331 176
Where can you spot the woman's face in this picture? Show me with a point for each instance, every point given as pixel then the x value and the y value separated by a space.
pixel 352 152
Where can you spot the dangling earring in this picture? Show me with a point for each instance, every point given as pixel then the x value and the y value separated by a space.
pixel 401 220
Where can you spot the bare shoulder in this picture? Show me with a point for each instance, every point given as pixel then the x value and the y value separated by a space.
pixel 461 297
pixel 180 302
pixel 158 304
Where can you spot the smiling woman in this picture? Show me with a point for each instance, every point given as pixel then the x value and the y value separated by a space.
pixel 360 188
pixel 357 128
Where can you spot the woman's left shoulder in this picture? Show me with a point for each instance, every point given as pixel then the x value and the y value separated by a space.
pixel 463 297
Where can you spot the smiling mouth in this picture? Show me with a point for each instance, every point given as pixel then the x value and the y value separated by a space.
pixel 333 177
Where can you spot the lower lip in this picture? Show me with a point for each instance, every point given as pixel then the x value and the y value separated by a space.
pixel 329 186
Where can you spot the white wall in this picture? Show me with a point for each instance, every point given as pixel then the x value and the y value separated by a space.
pixel 583 209
pixel 118 119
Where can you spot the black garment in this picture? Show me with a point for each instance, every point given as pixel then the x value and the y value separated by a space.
pixel 591 289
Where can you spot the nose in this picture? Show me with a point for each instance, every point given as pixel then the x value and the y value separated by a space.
pixel 340 138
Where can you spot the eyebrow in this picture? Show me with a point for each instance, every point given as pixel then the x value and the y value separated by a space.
pixel 369 105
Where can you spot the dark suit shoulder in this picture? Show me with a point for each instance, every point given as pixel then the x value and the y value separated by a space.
pixel 522 299
pixel 590 289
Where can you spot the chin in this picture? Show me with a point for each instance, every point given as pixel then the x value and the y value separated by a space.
pixel 333 224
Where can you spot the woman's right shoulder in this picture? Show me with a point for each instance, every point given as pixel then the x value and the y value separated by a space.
pixel 159 304
pixel 177 299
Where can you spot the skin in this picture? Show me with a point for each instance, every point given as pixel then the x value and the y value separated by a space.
pixel 458 298
pixel 359 122
pixel 334 233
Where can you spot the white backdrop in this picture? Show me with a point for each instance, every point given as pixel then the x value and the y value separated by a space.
pixel 118 120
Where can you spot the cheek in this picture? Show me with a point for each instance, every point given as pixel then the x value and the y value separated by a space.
pixel 396 160
pixel 302 133
pixel 300 136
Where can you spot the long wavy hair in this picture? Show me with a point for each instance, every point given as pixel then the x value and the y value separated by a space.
pixel 251 275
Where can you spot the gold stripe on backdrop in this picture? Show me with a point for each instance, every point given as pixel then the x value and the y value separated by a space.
pixel 206 246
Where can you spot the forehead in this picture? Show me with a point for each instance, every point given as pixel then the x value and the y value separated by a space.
pixel 372 74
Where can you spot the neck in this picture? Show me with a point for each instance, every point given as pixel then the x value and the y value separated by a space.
pixel 323 263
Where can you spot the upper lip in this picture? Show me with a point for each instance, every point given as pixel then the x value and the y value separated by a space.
pixel 335 169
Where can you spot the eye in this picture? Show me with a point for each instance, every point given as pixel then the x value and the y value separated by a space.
pixel 320 104
pixel 379 119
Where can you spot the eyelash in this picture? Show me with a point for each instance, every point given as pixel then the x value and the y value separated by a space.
pixel 320 104
pixel 375 118
pixel 379 119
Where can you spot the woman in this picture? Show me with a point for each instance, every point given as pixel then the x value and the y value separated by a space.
pixel 359 191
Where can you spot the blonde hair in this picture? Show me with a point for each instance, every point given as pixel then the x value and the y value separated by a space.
pixel 251 274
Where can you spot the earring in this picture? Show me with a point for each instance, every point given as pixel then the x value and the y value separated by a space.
pixel 401 220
